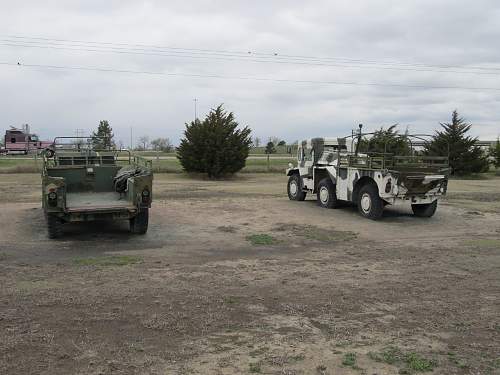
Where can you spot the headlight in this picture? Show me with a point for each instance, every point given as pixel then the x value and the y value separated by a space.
pixel 52 199
pixel 388 186
pixel 145 196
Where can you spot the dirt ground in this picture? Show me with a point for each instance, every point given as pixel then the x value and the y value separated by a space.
pixel 233 278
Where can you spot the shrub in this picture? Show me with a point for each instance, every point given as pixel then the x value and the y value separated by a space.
pixel 214 146
pixel 465 155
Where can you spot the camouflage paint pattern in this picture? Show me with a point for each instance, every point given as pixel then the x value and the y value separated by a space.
pixel 320 157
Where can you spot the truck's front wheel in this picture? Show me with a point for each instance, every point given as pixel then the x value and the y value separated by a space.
pixel 326 195
pixel 54 226
pixel 424 210
pixel 370 205
pixel 139 223
pixel 294 188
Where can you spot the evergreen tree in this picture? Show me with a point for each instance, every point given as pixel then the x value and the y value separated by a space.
pixel 464 154
pixel 214 146
pixel 495 153
pixel 270 148
pixel 103 137
pixel 386 141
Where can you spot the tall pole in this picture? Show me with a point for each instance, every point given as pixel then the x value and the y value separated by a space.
pixel 195 102
pixel 131 140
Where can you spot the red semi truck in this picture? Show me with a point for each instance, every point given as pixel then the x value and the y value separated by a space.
pixel 21 141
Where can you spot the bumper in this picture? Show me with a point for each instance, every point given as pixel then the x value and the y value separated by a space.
pixel 101 213
pixel 413 199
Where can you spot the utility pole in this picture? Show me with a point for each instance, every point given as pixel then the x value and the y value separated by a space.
pixel 131 139
pixel 79 133
pixel 195 102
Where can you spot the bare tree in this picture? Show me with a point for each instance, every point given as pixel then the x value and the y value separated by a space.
pixel 256 141
pixel 143 143
pixel 162 144
pixel 274 140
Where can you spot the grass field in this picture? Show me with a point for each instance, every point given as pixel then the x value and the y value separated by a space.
pixel 167 163
pixel 170 165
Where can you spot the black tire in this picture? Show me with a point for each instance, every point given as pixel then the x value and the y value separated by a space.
pixel 294 188
pixel 139 223
pixel 424 210
pixel 370 205
pixel 326 195
pixel 54 226
pixel 49 152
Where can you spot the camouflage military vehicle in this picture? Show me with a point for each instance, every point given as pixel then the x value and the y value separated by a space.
pixel 81 183
pixel 334 170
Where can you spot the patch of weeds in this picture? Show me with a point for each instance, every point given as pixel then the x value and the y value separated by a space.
pixel 231 300
pixel 315 233
pixel 418 363
pixel 485 242
pixel 261 239
pixel 115 260
pixel 410 362
pixel 3 256
pixel 389 355
pixel 321 369
pixel 495 363
pixel 349 360
pixel 460 363
pixel 296 358
pixel 255 367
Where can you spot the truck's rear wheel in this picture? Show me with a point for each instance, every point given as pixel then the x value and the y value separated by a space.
pixel 370 205
pixel 54 226
pixel 424 210
pixel 139 223
pixel 326 195
pixel 294 188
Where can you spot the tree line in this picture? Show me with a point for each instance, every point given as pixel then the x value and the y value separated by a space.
pixel 217 145
pixel 103 137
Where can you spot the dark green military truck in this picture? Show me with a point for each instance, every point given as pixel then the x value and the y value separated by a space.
pixel 81 183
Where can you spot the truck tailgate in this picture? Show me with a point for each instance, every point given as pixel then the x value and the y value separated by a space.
pixel 96 201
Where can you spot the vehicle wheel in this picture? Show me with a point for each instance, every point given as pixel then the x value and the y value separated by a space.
pixel 424 210
pixel 370 205
pixel 49 153
pixel 54 226
pixel 326 194
pixel 139 223
pixel 294 188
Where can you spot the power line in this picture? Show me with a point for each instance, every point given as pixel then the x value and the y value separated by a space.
pixel 231 58
pixel 241 53
pixel 193 53
pixel 98 69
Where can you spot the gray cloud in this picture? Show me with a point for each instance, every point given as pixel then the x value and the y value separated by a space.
pixel 56 102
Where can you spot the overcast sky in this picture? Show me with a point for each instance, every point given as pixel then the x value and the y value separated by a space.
pixel 408 49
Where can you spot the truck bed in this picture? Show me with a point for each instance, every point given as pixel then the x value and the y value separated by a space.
pixel 96 201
